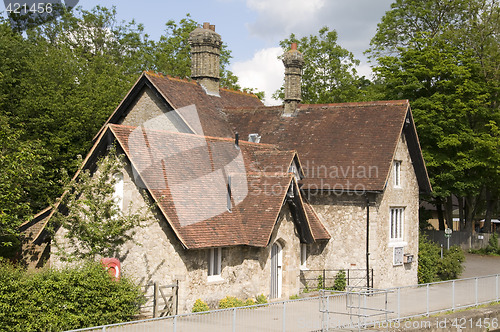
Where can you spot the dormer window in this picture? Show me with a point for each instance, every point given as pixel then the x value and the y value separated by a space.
pixel 397 174
pixel 254 138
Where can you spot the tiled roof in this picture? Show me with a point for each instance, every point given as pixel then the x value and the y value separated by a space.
pixel 319 231
pixel 179 93
pixel 346 146
pixel 189 176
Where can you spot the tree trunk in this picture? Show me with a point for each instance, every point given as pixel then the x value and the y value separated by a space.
pixel 449 211
pixel 439 209
pixel 461 222
pixel 489 207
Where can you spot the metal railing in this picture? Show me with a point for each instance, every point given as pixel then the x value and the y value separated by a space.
pixel 324 279
pixel 330 310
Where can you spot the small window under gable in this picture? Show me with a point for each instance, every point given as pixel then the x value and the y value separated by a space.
pixel 214 264
pixel 397 173
pixel 254 138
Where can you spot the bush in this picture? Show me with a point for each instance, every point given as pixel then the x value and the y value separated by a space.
pixel 340 281
pixel 249 302
pixel 261 299
pixel 450 267
pixel 321 284
pixel 56 300
pixel 428 258
pixel 230 302
pixel 200 306
pixel 430 265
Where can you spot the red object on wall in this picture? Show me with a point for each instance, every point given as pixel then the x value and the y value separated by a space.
pixel 112 265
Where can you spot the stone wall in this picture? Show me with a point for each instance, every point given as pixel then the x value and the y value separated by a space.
pixel 344 215
pixel 151 112
pixel 156 255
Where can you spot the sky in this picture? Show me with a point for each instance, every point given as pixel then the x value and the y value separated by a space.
pixel 252 29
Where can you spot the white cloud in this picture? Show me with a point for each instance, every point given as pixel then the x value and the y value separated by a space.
pixel 354 20
pixel 264 72
pixel 278 18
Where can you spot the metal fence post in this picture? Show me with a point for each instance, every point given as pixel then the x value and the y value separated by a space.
pixel 284 316
pixel 327 312
pixel 399 303
pixel 496 287
pixel 234 319
pixel 476 289
pixel 427 299
pixel 175 323
pixel 453 295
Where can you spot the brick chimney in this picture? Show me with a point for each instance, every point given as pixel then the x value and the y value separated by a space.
pixel 293 61
pixel 205 56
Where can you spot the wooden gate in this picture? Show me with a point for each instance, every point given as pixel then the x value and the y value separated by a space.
pixel 165 299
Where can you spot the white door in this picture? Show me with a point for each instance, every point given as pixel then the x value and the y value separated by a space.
pixel 276 271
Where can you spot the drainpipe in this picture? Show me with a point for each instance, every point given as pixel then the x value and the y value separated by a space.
pixel 367 241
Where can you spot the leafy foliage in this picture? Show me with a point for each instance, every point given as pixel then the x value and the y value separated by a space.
pixel 200 306
pixel 58 300
pixel 230 302
pixel 92 220
pixel 261 299
pixel 329 74
pixel 450 267
pixel 431 267
pixel 59 82
pixel 340 282
pixel 444 57
pixel 19 165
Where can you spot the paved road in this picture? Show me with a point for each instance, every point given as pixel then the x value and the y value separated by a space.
pixel 478 265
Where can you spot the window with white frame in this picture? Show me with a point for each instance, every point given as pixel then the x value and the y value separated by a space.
pixel 397 173
pixel 303 256
pixel 214 263
pixel 397 222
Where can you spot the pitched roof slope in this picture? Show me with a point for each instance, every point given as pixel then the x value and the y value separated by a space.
pixel 191 176
pixel 346 146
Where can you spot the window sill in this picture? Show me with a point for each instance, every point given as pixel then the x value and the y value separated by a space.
pixel 397 243
pixel 215 279
pixel 304 268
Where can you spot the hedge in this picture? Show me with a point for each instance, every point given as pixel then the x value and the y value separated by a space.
pixel 56 300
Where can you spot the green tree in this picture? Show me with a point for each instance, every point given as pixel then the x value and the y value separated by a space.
pixel 19 165
pixel 89 212
pixel 329 74
pixel 172 53
pixel 443 56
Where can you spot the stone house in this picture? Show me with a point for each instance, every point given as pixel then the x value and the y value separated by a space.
pixel 248 196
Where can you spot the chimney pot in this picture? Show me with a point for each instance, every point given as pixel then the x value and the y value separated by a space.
pixel 212 27
pixel 294 46
pixel 206 25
